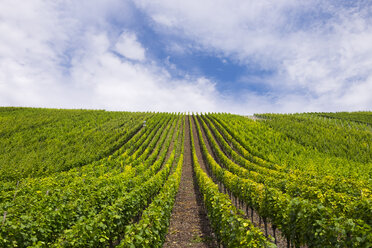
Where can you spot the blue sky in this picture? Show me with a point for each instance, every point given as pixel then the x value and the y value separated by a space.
pixel 222 56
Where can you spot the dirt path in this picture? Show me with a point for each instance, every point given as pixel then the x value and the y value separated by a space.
pixel 189 226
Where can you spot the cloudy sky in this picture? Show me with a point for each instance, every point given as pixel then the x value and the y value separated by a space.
pixel 173 55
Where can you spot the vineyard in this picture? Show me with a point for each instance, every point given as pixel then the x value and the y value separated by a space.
pixel 85 178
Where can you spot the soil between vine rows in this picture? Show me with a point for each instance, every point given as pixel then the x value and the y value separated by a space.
pixel 189 225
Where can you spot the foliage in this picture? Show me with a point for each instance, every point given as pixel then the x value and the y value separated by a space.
pixel 305 213
pixel 230 227
pixel 78 178
pixel 35 142
pixel 364 117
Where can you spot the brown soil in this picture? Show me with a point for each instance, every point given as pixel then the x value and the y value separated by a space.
pixel 189 225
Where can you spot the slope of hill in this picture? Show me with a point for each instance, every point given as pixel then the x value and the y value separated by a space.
pixel 79 178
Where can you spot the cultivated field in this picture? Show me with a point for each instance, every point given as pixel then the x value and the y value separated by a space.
pixel 80 178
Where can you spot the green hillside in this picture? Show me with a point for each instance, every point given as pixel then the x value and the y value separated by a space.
pixel 91 178
pixel 36 142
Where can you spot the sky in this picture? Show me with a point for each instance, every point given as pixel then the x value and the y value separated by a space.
pixel 238 56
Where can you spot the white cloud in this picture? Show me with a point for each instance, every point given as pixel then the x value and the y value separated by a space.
pixel 128 46
pixel 321 50
pixel 62 54
pixel 120 84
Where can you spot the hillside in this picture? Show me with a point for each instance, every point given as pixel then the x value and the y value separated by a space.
pixel 86 178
